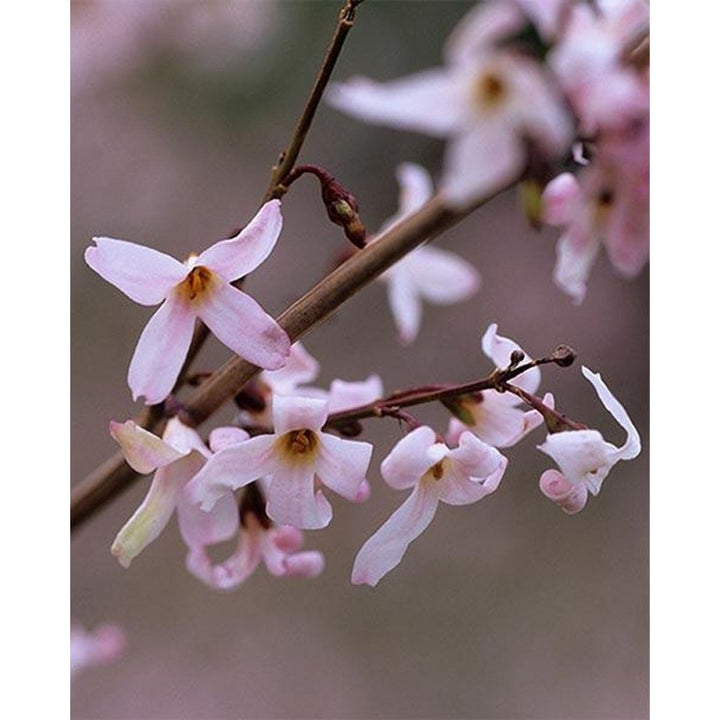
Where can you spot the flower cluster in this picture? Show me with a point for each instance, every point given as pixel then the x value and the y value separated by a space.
pixel 524 81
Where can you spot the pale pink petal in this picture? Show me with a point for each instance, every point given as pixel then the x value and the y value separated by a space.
pixel 475 458
pixel 104 644
pixel 632 446
pixel 442 277
pixel 499 349
pixel 583 456
pixel 293 500
pixel 345 395
pixel 241 324
pixel 206 527
pixel 561 199
pixel 184 438
pixel 385 549
pixel 408 461
pixel 143 451
pixel 153 514
pixel 363 493
pixel 576 253
pixel 240 255
pixel 298 413
pixel 458 488
pixel 300 368
pixel 455 429
pixel 405 304
pixel 230 573
pixel 161 351
pixel 497 422
pixel 232 468
pixel 307 564
pixel 223 437
pixel 627 233
pixel 431 102
pixel 416 188
pixel 143 274
pixel 481 161
pixel 342 464
pixel 555 486
pixel 287 538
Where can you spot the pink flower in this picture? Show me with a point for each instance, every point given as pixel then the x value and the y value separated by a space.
pixel 103 645
pixel 428 273
pixel 496 419
pixel 436 473
pixel 198 288
pixel 296 460
pixel 604 90
pixel 489 103
pixel 276 547
pixel 176 459
pixel 345 395
pixel 608 203
pixel 583 456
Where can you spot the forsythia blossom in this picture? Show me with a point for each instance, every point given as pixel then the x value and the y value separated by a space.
pixel 198 288
pixel 296 459
pixel 488 102
pixel 457 476
pixel 427 273
pixel 583 456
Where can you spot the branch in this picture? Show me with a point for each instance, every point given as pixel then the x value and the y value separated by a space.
pixel 301 317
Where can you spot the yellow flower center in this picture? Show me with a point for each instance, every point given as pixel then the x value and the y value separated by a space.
pixel 490 89
pixel 299 444
pixel 437 470
pixel 196 282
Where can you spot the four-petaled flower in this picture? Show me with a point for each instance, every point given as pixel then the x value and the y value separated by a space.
pixel 175 458
pixel 295 460
pixel 198 288
pixel 427 273
pixel 490 103
pixel 436 473
pixel 583 456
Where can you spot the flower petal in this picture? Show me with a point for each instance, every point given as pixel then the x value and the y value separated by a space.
pixel 560 199
pixel 223 437
pixel 232 468
pixel 309 564
pixel 161 351
pixel 241 324
pixel 405 304
pixel 498 423
pixel 230 573
pixel 293 412
pixel 416 188
pixel 345 395
pixel 481 161
pixel 151 517
pixel 408 461
pixel 293 500
pixel 631 448
pixel 576 253
pixel 442 277
pixel 555 486
pixel 342 464
pixel 384 550
pixel 206 527
pixel 300 368
pixel 145 275
pixel 240 255
pixel 431 102
pixel 143 451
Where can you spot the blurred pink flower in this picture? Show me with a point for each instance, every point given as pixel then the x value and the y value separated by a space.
pixel 605 91
pixel 198 288
pixel 176 459
pixel 277 547
pixel 489 103
pixel 460 476
pixel 103 645
pixel 496 419
pixel 583 456
pixel 295 460
pixel 427 273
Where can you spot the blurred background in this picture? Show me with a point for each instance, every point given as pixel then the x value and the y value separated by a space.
pixel 503 609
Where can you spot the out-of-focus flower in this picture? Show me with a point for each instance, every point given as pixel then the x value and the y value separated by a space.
pixel 490 103
pixel 427 273
pixel 344 395
pixel 583 456
pixel 607 203
pixel 176 458
pixel 277 547
pixel 295 460
pixel 436 473
pixel 604 89
pixel 88 648
pixel 495 417
pixel 198 288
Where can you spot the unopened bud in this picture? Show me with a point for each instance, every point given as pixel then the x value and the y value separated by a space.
pixel 342 209
pixel 516 357
pixel 563 356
